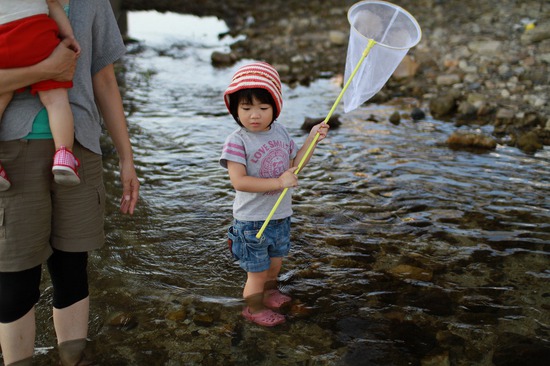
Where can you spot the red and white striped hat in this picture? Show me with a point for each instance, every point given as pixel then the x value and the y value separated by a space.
pixel 257 75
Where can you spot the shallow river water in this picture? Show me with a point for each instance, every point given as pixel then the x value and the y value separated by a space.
pixel 405 252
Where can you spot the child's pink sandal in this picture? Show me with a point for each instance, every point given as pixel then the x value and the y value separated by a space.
pixel 266 317
pixel 274 299
pixel 5 183
pixel 64 167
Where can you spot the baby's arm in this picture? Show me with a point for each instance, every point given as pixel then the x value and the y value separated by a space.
pixel 245 183
pixel 65 30
pixel 322 129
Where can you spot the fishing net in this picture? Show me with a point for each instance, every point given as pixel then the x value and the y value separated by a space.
pixel 385 33
pixel 393 30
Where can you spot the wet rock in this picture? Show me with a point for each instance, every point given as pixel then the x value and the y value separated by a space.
pixel 466 111
pixel 299 309
pixel 504 117
pixel 443 106
pixel 204 319
pixel 223 59
pixel 417 114
pixel 438 359
pixel 122 320
pixel 515 349
pixel 395 118
pixel 176 315
pixel 338 38
pixel 529 142
pixel 447 80
pixel 471 140
pixel 373 118
pixel 407 68
pixel 411 272
pixel 334 122
pixel 485 47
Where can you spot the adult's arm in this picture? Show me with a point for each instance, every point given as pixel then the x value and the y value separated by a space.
pixel 109 101
pixel 60 66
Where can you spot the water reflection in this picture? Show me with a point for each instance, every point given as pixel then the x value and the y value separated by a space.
pixel 405 252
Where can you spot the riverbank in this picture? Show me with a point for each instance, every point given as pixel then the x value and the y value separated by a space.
pixel 476 64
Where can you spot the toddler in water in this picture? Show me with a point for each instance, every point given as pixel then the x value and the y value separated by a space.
pixel 27 36
pixel 261 158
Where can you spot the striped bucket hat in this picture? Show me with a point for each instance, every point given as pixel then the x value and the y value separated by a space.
pixel 257 75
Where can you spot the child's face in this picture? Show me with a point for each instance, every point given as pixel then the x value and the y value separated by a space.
pixel 255 117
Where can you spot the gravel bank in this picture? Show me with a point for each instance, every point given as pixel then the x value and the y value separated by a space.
pixel 476 64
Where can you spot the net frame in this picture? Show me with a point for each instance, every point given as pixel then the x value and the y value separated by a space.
pixel 393 30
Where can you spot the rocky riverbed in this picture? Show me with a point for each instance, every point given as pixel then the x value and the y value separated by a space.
pixel 479 62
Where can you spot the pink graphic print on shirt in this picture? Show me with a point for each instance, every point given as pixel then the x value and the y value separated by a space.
pixel 273 158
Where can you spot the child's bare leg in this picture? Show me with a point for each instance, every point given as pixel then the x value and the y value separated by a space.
pixel 60 116
pixel 254 289
pixel 253 294
pixel 65 164
pixel 4 101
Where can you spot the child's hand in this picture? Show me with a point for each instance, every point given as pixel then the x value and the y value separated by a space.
pixel 288 179
pixel 322 129
pixel 73 44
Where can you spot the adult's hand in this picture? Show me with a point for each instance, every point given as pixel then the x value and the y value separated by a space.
pixel 61 64
pixel 130 188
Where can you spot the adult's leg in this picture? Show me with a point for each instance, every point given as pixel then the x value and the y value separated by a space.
pixel 76 230
pixel 71 304
pixel 17 338
pixel 72 322
pixel 60 116
pixel 71 328
pixel 19 292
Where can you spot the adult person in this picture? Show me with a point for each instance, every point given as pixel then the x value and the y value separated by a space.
pixel 42 221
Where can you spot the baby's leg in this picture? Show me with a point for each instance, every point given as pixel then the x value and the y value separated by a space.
pixel 60 115
pixel 65 164
pixel 4 101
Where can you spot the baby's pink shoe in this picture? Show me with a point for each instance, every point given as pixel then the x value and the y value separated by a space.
pixel 5 183
pixel 65 166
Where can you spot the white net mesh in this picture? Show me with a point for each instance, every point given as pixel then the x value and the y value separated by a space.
pixel 393 29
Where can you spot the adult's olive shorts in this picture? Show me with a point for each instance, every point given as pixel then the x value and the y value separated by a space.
pixel 37 214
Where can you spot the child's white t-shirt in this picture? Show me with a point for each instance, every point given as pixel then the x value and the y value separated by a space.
pixel 265 154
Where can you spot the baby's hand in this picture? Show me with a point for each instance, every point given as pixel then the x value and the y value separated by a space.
pixel 73 44
pixel 288 179
pixel 321 129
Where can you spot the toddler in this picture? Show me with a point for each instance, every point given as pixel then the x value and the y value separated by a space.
pixel 261 158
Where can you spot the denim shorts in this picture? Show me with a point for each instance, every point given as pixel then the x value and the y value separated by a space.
pixel 255 255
